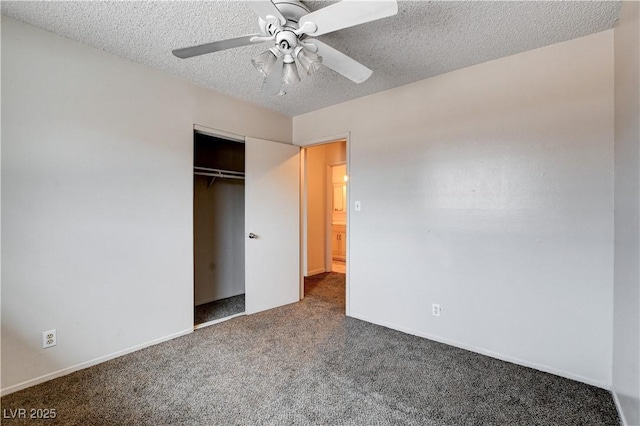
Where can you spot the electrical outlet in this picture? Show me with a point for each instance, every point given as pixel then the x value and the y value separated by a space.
pixel 435 310
pixel 49 338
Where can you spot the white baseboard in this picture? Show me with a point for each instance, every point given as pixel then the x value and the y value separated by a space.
pixel 489 353
pixel 316 272
pixel 204 301
pixel 217 321
pixel 83 365
pixel 623 420
pixel 628 408
pixel 213 299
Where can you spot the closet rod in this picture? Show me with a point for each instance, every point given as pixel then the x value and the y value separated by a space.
pixel 226 172
pixel 219 175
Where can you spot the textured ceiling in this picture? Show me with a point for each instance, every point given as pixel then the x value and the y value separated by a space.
pixel 425 39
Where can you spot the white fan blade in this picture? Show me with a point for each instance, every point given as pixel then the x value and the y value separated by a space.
pixel 189 52
pixel 265 8
pixel 348 13
pixel 341 63
pixel 273 82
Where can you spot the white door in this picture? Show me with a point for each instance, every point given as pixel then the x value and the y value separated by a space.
pixel 272 225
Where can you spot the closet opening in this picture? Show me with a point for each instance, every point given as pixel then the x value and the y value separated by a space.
pixel 218 228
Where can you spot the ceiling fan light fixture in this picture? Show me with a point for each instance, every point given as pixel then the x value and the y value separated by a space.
pixel 264 62
pixel 289 23
pixel 309 61
pixel 290 73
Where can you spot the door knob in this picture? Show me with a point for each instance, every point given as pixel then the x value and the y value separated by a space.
pixel 252 235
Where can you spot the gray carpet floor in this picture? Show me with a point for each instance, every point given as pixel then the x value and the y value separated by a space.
pixel 218 309
pixel 308 364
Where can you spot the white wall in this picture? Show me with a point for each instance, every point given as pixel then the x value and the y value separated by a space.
pixel 626 331
pixel 97 191
pixel 488 190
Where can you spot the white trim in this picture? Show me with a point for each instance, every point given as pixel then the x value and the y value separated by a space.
pixel 216 321
pixel 348 229
pixel 489 353
pixel 325 139
pixel 316 272
pixel 213 299
pixel 204 301
pixel 616 400
pixel 87 364
pixel 218 133
pixel 303 219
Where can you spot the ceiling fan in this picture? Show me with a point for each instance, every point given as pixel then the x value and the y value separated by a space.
pixel 290 24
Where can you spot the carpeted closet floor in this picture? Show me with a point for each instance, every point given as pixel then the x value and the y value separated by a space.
pixel 219 309
pixel 307 363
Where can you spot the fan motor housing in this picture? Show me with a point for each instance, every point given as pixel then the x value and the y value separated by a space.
pixel 292 10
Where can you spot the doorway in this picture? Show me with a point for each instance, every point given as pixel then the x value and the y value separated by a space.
pixel 325 214
pixel 218 233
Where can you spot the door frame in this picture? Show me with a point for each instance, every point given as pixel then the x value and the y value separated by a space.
pixel 346 137
pixel 220 134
